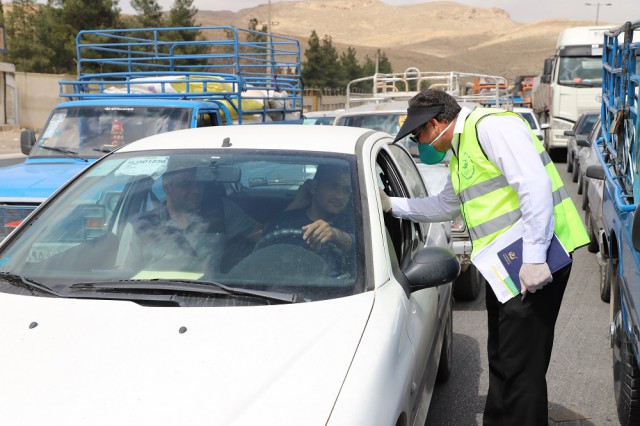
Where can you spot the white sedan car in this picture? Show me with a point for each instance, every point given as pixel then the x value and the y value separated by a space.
pixel 155 288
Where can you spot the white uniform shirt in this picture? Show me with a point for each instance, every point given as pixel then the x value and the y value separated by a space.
pixel 507 143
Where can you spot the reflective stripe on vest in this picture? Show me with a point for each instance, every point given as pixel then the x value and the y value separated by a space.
pixel 490 205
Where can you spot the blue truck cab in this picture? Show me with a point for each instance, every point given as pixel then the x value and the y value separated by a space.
pixel 134 83
pixel 619 151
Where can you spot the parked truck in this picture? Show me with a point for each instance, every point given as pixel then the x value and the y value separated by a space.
pixel 134 83
pixel 570 82
pixel 619 151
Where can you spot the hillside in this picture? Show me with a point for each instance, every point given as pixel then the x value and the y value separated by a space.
pixel 437 36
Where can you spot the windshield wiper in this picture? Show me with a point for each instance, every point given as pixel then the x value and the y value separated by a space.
pixel 64 151
pixel 187 286
pixel 26 282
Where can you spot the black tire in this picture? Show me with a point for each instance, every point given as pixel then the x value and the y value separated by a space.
pixel 605 282
pixel 468 284
pixel 446 353
pixel 626 375
pixel 576 172
pixel 585 192
pixel 593 245
pixel 580 184
pixel 569 162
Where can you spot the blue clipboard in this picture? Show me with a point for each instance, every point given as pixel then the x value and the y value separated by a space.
pixel 511 258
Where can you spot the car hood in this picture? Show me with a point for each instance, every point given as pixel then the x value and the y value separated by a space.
pixel 37 179
pixel 65 361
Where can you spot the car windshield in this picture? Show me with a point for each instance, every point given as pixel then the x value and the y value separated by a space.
pixel 580 71
pixel 199 216
pixel 92 131
pixel 529 117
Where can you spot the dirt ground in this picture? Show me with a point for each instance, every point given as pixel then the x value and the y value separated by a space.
pixel 10 141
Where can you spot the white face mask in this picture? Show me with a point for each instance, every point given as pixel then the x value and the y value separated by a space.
pixel 443 132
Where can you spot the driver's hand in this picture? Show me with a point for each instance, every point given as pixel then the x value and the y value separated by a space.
pixel 321 232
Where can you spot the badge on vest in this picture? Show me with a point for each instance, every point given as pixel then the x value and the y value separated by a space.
pixel 467 166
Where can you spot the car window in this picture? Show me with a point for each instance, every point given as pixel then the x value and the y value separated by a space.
pixel 411 174
pixel 529 117
pixel 407 236
pixel 201 216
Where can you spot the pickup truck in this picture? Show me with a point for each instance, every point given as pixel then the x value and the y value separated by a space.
pixel 134 83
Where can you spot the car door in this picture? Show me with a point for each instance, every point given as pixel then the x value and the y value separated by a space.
pixel 399 176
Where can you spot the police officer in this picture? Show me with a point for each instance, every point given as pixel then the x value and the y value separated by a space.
pixel 500 175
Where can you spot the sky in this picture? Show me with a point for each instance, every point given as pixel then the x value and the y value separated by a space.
pixel 619 11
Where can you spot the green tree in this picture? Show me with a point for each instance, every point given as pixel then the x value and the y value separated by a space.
pixel 183 14
pixel 312 73
pixel 149 13
pixel 350 66
pixel 333 73
pixel 23 47
pixel 61 20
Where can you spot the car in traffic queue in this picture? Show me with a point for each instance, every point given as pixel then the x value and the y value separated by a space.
pixel 273 333
pixel 579 132
pixel 529 115
pixel 388 117
pixel 592 178
pixel 321 118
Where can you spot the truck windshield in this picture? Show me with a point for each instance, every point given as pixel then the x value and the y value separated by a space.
pixel 92 131
pixel 581 71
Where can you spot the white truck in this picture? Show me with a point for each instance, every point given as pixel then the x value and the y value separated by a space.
pixel 570 83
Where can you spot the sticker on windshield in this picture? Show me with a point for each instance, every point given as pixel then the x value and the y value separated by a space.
pixel 401 119
pixel 143 166
pixel 54 124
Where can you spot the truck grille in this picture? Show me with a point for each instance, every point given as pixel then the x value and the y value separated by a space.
pixel 11 217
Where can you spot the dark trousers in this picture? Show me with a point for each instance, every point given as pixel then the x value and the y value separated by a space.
pixel 519 349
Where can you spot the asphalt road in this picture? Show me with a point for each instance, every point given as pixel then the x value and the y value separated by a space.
pixel 580 379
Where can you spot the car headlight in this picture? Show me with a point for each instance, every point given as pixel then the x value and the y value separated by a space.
pixel 561 125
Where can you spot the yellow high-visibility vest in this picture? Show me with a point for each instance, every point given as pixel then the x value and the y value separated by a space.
pixel 490 205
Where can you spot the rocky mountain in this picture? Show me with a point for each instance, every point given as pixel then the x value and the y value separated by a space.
pixel 439 36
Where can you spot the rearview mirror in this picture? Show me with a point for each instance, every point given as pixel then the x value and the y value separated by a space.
pixel 431 267
pixel 583 142
pixel 595 172
pixel 545 126
pixel 569 133
pixel 635 229
pixel 27 141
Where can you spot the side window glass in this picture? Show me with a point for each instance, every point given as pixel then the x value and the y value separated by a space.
pixel 405 235
pixel 411 174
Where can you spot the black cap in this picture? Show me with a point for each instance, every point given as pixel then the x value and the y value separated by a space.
pixel 416 117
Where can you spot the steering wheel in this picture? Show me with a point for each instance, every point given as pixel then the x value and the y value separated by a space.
pixel 278 235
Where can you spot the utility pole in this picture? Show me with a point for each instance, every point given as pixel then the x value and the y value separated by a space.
pixel 597 5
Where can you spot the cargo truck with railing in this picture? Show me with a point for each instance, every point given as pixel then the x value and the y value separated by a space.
pixel 134 83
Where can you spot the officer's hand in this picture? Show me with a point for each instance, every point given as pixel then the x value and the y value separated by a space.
pixel 534 276
pixel 386 201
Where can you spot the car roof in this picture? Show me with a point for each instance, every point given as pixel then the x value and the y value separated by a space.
pixel 336 139
pixel 315 114
pixel 394 107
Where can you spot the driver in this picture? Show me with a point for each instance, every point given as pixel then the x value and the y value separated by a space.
pixel 185 233
pixel 319 212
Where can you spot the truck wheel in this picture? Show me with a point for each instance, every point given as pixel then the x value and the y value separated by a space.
pixel 605 281
pixel 446 353
pixel 626 375
pixel 593 246
pixel 468 284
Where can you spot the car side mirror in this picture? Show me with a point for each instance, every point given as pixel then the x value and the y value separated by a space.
pixel 584 142
pixel 635 229
pixel 569 133
pixel 431 267
pixel 27 141
pixel 595 172
pixel 545 126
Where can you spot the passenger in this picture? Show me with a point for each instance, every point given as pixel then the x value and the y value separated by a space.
pixel 187 232
pixel 500 175
pixel 319 212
